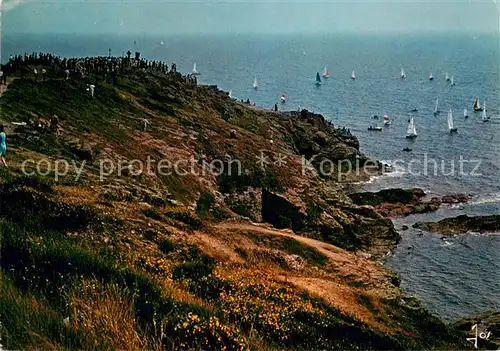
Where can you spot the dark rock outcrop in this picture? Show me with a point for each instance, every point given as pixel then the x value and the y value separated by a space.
pixel 397 202
pixel 346 225
pixel 392 196
pixel 280 212
pixel 461 225
pixel 455 198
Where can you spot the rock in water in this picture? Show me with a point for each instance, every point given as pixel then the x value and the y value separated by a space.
pixel 461 225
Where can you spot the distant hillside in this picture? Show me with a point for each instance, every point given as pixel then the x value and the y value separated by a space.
pixel 230 244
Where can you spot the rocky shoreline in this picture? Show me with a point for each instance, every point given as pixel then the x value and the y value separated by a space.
pixel 399 202
pixel 462 224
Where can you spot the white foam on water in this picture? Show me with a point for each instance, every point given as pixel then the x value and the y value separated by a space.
pixel 484 233
pixel 485 199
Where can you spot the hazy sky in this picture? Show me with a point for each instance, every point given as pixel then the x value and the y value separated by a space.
pixel 239 16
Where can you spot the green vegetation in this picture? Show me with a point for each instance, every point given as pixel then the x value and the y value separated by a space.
pixel 166 246
pixel 82 268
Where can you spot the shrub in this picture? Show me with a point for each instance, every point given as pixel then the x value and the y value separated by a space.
pixel 166 246
pixel 152 213
pixel 191 221
pixel 204 203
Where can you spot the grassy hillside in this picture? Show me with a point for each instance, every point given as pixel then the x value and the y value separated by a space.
pixel 272 258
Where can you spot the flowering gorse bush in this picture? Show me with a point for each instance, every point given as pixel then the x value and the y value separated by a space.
pixel 193 331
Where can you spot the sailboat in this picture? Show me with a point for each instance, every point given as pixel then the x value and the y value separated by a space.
pixel 318 79
pixel 447 77
pixel 452 82
pixel 477 106
pixel 403 74
pixel 161 42
pixel 466 115
pixel 431 77
pixel 283 98
pixel 230 94
pixel 411 131
pixel 325 73
pixel 436 109
pixel 255 84
pixel 451 127
pixel 483 116
pixel 353 75
pixel 387 121
pixel 195 72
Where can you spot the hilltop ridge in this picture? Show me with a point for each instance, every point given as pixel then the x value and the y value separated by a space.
pixel 194 220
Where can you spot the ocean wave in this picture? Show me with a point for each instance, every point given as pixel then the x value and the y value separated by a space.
pixel 485 199
pixel 484 233
pixel 447 243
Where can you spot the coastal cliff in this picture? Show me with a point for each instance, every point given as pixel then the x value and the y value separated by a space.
pixel 159 213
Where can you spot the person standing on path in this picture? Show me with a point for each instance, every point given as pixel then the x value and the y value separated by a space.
pixel 3 145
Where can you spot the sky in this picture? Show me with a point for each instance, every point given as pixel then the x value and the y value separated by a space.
pixel 244 16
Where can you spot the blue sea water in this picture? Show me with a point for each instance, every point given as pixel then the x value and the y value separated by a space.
pixel 454 277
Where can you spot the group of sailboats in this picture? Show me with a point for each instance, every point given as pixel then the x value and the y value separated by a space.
pixel 412 133
pixel 255 86
pixel 447 77
pixel 477 108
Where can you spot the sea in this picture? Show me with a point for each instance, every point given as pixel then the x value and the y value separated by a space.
pixel 453 277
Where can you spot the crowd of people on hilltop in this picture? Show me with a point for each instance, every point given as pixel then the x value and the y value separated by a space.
pixel 100 65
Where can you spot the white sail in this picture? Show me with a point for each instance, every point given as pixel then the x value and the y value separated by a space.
pixel 403 75
pixel 194 68
pixel 465 112
pixel 353 75
pixel 411 130
pixel 452 83
pixel 450 120
pixel 447 77
pixel 230 94
pixel 255 84
pixel 436 109
pixel 430 76
pixel 325 73
pixel 484 117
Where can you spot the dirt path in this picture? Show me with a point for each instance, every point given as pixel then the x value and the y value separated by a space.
pixel 374 277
